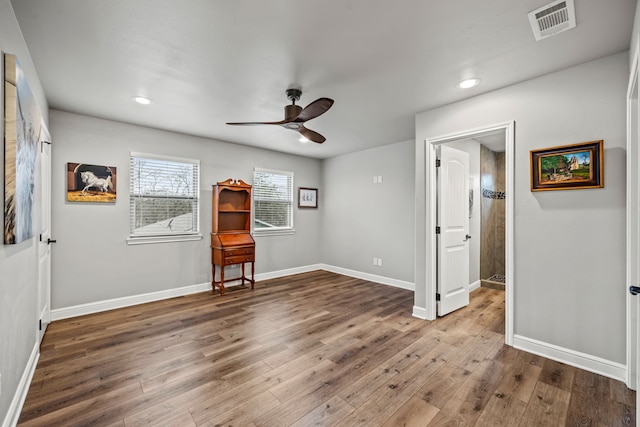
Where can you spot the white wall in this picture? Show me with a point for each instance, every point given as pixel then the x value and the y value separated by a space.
pixel 473 148
pixel 362 220
pixel 569 254
pixel 634 35
pixel 18 263
pixel 92 261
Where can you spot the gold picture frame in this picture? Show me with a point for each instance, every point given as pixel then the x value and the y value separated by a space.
pixel 568 167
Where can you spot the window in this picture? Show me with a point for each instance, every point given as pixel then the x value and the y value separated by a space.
pixel 273 201
pixel 164 198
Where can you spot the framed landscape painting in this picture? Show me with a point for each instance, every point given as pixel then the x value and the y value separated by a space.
pixel 568 167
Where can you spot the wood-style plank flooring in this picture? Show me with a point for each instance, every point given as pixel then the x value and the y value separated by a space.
pixel 315 349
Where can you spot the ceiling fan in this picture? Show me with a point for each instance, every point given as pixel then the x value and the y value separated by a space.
pixel 295 116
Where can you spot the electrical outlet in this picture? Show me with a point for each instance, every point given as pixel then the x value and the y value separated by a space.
pixel 375 261
pixel 379 179
pixel 379 262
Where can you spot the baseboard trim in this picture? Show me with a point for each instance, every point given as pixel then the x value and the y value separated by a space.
pixel 19 397
pixel 475 285
pixel 590 363
pixel 420 313
pixel 110 304
pixel 288 272
pixel 370 277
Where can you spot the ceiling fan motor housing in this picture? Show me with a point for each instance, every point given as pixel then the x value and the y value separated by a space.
pixel 291 111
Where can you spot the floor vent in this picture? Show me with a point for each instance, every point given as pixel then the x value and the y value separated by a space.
pixel 552 19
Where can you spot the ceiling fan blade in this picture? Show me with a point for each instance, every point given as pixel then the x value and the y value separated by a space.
pixel 257 123
pixel 311 135
pixel 313 110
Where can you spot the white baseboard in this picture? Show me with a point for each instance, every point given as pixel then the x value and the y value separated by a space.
pixel 99 306
pixel 420 313
pixel 12 416
pixel 110 304
pixel 370 277
pixel 590 363
pixel 288 272
pixel 475 285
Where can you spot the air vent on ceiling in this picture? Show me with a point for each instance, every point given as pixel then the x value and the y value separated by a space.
pixel 552 19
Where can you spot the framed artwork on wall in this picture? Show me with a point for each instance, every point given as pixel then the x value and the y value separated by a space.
pixel 307 197
pixel 91 183
pixel 568 167
pixel 22 120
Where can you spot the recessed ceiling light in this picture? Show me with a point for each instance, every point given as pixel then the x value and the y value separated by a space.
pixel 468 83
pixel 303 139
pixel 141 100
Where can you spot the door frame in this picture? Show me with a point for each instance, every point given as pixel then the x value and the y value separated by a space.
pixel 431 189
pixel 633 223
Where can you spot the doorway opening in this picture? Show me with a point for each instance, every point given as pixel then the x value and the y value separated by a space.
pixel 491 197
pixel 497 139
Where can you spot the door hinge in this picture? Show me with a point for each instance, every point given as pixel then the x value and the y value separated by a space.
pixel 437 229
pixel 437 163
pixel 437 297
pixel 40 324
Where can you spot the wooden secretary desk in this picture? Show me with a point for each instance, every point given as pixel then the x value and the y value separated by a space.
pixel 231 240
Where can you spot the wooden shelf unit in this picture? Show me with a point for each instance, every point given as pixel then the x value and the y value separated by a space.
pixel 231 240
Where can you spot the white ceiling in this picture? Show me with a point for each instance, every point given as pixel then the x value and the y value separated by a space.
pixel 207 62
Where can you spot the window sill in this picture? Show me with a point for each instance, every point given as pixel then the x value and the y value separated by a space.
pixel 265 233
pixel 162 239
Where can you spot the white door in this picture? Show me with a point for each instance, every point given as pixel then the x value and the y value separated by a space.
pixel 44 243
pixel 633 230
pixel 453 220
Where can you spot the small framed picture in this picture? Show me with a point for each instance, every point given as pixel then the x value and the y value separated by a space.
pixel 307 197
pixel 568 167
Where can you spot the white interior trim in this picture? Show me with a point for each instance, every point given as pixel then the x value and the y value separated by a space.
pixel 419 312
pixel 633 123
pixel 370 277
pixel 111 304
pixel 590 363
pixel 430 146
pixel 12 416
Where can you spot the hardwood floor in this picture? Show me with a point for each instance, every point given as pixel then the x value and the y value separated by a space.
pixel 312 349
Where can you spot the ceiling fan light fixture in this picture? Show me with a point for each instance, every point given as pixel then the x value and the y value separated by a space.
pixel 468 83
pixel 141 100
pixel 295 116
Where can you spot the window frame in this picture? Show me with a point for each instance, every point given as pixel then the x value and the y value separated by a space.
pixel 274 230
pixel 147 238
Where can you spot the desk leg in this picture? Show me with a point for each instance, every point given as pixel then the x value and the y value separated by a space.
pixel 253 281
pixel 221 280
pixel 213 280
pixel 243 274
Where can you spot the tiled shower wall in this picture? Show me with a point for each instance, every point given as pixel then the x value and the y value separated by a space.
pixel 492 210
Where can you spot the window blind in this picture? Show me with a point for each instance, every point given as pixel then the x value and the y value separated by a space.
pixel 272 199
pixel 164 196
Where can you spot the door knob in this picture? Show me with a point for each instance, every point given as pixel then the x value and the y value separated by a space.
pixel 634 290
pixel 49 241
pixel 467 237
